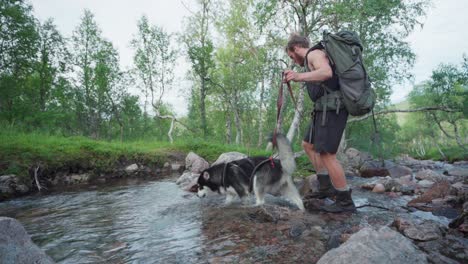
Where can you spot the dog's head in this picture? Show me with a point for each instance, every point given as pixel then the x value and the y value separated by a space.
pixel 205 185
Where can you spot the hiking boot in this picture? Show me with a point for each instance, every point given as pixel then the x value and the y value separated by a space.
pixel 326 189
pixel 344 203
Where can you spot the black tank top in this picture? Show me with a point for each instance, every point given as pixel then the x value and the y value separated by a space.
pixel 314 89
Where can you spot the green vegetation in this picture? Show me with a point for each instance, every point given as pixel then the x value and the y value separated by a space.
pixel 65 101
pixel 21 151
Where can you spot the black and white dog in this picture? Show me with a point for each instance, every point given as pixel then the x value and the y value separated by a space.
pixel 259 175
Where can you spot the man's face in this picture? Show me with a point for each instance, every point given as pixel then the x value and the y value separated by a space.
pixel 296 57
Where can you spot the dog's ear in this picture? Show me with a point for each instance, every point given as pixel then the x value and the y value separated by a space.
pixel 206 175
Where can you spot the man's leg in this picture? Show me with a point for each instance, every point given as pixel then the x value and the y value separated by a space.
pixel 344 201
pixel 314 157
pixel 325 186
pixel 335 170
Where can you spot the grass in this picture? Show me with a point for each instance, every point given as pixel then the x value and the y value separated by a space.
pixel 20 151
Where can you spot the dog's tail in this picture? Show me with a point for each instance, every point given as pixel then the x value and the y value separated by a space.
pixel 285 154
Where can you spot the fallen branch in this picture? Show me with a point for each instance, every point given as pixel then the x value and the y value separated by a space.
pixel 36 179
pixel 422 109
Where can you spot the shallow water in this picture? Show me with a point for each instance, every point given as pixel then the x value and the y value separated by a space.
pixel 151 223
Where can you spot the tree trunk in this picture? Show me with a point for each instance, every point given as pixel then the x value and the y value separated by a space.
pixel 457 136
pixel 298 113
pixel 260 114
pixel 228 128
pixel 202 107
pixel 279 121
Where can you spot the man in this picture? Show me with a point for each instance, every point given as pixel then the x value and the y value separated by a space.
pixel 328 121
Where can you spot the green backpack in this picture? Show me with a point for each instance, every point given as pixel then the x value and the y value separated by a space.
pixel 344 50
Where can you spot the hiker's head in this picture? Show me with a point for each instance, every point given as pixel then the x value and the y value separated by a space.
pixel 297 47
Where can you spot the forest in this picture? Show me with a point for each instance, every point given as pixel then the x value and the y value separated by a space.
pixel 74 85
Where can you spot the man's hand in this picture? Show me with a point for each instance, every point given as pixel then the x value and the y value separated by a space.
pixel 290 75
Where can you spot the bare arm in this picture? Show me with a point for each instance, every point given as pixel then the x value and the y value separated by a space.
pixel 319 66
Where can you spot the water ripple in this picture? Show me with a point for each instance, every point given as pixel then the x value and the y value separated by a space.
pixel 151 223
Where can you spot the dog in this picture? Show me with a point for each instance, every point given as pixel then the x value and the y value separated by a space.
pixel 259 175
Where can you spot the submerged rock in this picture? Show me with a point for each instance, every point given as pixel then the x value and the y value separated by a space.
pixel 16 245
pixel 375 246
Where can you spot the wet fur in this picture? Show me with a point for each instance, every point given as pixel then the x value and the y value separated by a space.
pixel 256 174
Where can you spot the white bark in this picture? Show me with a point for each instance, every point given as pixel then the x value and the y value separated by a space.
pixel 298 113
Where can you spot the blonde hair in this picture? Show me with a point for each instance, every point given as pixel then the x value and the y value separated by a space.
pixel 297 40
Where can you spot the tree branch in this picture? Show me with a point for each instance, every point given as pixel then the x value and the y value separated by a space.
pixel 422 109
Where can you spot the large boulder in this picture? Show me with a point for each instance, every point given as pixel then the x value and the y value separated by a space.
pixel 195 163
pixel 228 157
pixel 16 245
pixel 375 246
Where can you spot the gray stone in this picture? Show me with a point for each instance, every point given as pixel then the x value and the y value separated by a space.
pixel 425 183
pixel 76 178
pixel 187 180
pixel 429 175
pixel 131 168
pixel 424 231
pixel 459 172
pixel 375 246
pixel 195 163
pixel 399 171
pixel 16 245
pixel 460 190
pixel 10 185
pixel 355 158
pixel 228 157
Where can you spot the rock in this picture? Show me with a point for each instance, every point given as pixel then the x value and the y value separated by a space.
pixel 461 220
pixel 428 230
pixel 372 169
pixel 458 172
pixel 176 166
pixel 131 168
pixel 10 186
pixel 399 171
pixel 438 190
pixel 355 158
pixel 308 185
pixel 379 188
pixel 391 185
pixel 450 245
pixel 16 245
pixel 460 190
pixel 195 163
pixel 228 157
pixel 375 246
pixel 429 175
pixel 425 183
pixel 75 178
pixel 187 180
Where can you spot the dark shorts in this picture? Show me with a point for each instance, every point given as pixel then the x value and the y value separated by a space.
pixel 326 139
